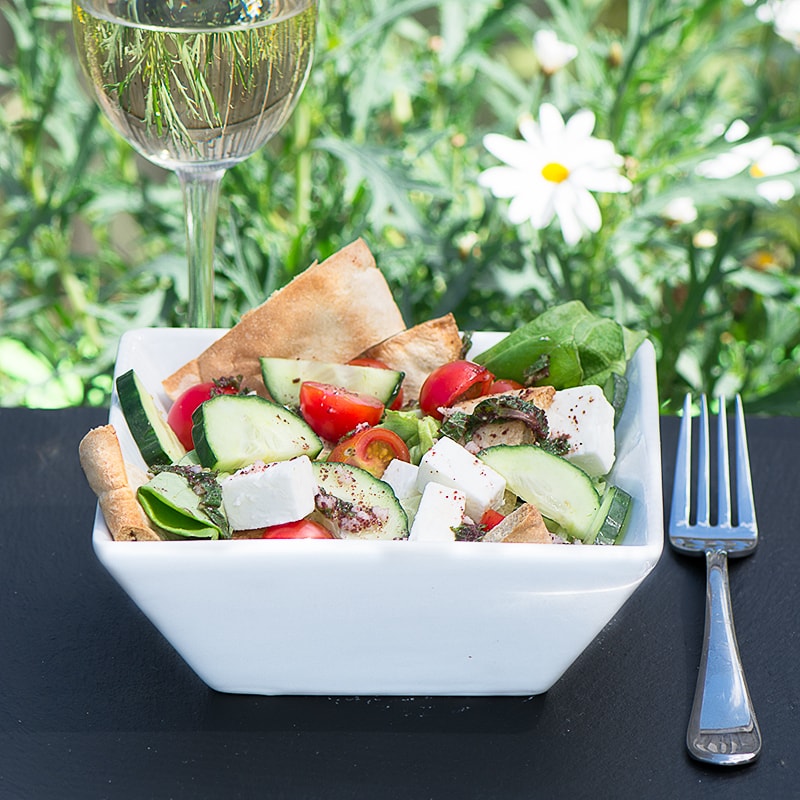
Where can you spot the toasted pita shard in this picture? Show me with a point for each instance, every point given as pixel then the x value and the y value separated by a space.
pixel 525 524
pixel 102 461
pixel 418 351
pixel 329 312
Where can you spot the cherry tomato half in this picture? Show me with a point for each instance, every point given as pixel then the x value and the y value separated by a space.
pixel 452 382
pixel 397 403
pixel 371 449
pixel 180 413
pixel 504 385
pixel 302 529
pixel 334 412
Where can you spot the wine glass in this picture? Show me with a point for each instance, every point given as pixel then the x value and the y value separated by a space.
pixel 196 86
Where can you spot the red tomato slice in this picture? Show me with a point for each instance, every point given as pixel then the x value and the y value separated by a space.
pixel 334 412
pixel 302 529
pixel 371 449
pixel 397 403
pixel 504 385
pixel 491 518
pixel 452 382
pixel 180 413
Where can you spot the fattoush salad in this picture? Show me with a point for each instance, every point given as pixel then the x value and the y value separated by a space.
pixel 321 415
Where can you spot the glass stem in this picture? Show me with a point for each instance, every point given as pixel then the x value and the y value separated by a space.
pixel 201 201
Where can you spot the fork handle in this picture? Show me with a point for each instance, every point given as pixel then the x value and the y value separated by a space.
pixel 722 726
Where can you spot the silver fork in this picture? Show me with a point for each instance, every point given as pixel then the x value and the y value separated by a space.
pixel 722 726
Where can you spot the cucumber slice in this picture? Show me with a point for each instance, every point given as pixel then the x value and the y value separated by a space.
pixel 608 526
pixel 561 491
pixel 360 505
pixel 232 431
pixel 616 392
pixel 283 377
pixel 156 441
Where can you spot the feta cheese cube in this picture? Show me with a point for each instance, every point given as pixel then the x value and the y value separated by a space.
pixel 402 477
pixel 441 511
pixel 262 494
pixel 585 416
pixel 452 465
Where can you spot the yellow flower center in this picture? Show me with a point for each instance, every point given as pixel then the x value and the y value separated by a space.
pixel 756 171
pixel 554 172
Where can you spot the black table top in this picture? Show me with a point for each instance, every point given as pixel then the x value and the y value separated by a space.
pixel 94 703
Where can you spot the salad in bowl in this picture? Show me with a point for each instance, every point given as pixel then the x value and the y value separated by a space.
pixel 419 510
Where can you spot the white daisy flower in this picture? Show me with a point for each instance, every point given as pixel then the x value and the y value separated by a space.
pixel 552 172
pixel 763 159
pixel 551 53
pixel 785 17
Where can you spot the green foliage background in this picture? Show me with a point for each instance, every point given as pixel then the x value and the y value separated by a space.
pixel 386 144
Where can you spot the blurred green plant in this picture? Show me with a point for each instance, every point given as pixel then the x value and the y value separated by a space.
pixel 387 143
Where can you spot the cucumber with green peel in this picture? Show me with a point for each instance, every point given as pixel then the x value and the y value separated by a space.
pixel 147 423
pixel 561 491
pixel 358 504
pixel 232 431
pixel 608 526
pixel 284 376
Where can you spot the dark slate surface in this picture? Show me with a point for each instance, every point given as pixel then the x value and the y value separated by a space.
pixel 95 704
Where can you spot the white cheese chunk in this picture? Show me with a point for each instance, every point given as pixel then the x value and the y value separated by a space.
pixel 452 465
pixel 262 494
pixel 441 511
pixel 402 477
pixel 585 416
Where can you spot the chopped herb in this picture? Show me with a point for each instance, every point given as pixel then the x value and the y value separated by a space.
pixel 466 343
pixel 538 371
pixel 455 425
pixel 470 532
pixel 223 385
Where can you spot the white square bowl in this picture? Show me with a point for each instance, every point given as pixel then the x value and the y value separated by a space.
pixel 337 617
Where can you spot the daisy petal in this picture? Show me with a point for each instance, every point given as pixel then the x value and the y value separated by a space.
pixel 503 181
pixel 535 207
pixel 511 151
pixel 580 125
pixel 778 160
pixel 587 211
pixel 551 125
pixel 775 191
pixel 725 165
pixel 602 180
pixel 571 226
pixel 531 133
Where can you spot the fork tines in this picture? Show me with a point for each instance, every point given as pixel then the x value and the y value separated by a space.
pixel 735 537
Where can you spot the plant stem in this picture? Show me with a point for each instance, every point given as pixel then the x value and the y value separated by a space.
pixel 201 202
pixel 302 136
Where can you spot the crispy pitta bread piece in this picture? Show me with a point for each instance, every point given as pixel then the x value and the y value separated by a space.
pixel 419 350
pixel 329 312
pixel 525 524
pixel 102 461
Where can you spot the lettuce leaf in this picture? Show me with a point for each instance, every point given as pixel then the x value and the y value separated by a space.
pixel 578 346
pixel 415 429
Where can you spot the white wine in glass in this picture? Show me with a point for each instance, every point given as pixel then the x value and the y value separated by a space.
pixel 196 86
